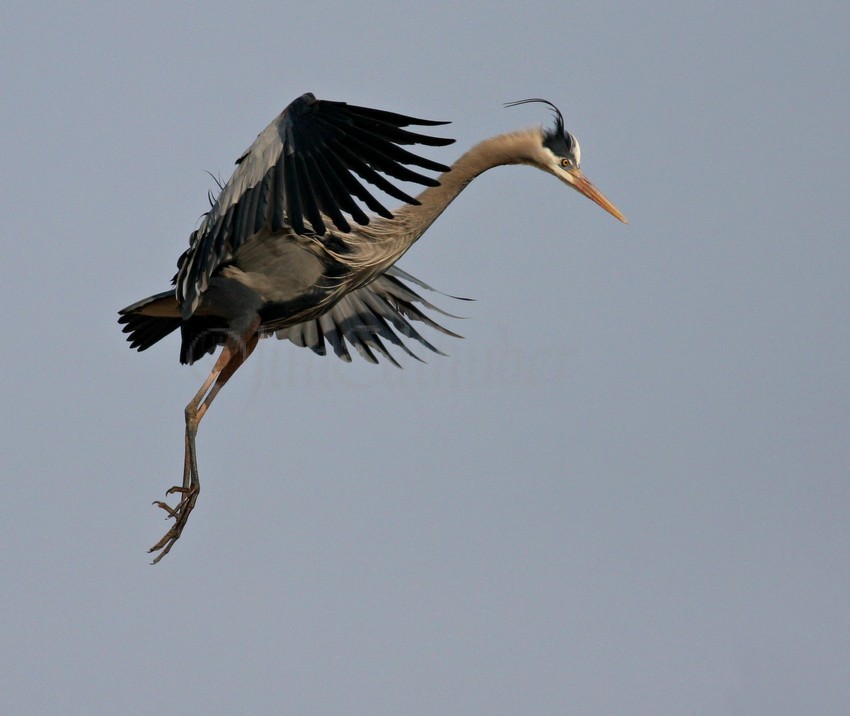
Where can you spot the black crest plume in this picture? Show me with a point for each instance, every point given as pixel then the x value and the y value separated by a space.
pixel 559 140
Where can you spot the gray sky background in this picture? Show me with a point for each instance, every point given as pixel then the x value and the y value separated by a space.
pixel 626 490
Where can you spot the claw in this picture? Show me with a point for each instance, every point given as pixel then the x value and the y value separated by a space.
pixel 180 513
pixel 179 488
pixel 172 511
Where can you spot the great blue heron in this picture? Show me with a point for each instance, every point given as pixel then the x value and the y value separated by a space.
pixel 254 267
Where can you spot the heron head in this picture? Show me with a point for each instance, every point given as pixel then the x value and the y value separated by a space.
pixel 561 156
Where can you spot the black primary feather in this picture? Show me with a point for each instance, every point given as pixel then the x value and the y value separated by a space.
pixel 310 165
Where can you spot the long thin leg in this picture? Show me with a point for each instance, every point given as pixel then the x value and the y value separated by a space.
pixel 233 355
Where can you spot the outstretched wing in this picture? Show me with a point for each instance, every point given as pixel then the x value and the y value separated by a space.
pixel 303 168
pixel 365 318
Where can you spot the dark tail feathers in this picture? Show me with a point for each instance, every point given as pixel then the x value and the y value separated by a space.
pixel 150 320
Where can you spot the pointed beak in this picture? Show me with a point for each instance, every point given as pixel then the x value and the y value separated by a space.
pixel 580 182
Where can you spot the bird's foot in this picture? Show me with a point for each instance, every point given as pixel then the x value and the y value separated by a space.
pixel 180 513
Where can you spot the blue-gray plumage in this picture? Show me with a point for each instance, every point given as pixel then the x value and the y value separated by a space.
pixel 296 245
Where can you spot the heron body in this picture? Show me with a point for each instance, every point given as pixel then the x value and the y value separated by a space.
pixel 286 248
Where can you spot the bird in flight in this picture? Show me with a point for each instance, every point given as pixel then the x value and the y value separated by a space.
pixel 296 244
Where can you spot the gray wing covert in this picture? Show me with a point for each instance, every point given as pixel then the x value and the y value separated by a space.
pixel 365 318
pixel 306 165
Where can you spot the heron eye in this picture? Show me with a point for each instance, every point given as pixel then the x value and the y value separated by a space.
pixel 566 163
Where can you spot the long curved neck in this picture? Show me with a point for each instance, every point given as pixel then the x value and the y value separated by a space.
pixel 513 148
pixel 376 247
